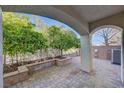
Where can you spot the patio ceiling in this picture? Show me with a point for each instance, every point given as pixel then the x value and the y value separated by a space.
pixel 77 16
pixel 94 13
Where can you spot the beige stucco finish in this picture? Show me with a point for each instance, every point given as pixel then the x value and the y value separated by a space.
pixel 1 63
pixel 117 20
pixel 79 17
pixel 55 13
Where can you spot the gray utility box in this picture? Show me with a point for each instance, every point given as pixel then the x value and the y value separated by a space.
pixel 116 56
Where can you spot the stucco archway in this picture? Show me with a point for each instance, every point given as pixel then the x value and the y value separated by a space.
pixel 52 12
pixel 120 29
pixel 106 26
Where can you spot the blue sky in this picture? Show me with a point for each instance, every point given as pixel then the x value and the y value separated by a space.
pixel 96 40
pixel 48 21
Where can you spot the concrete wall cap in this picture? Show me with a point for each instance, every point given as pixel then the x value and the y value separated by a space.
pixel 22 69
pixel 10 74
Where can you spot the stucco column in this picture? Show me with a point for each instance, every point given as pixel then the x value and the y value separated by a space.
pixel 1 48
pixel 86 53
pixel 122 58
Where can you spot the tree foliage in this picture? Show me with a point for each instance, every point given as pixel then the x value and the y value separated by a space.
pixel 62 39
pixel 19 36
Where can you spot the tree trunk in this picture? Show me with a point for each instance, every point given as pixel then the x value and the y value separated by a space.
pixel 22 59
pixel 40 53
pixel 46 50
pixel 61 50
pixel 17 58
pixel 12 59
pixel 4 59
pixel 106 41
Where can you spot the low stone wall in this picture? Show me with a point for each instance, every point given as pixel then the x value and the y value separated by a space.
pixel 62 62
pixel 24 72
pixel 40 65
pixel 16 76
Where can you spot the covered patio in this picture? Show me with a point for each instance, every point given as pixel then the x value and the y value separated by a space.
pixel 85 20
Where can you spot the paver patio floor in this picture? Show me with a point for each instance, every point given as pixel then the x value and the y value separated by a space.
pixel 105 75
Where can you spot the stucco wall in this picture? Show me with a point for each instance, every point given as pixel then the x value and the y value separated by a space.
pixel 1 48
pixel 117 20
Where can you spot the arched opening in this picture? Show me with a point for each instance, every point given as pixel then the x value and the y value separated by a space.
pixel 107 52
pixel 30 46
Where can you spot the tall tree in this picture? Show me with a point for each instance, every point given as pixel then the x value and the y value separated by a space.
pixel 61 38
pixel 110 36
pixel 19 37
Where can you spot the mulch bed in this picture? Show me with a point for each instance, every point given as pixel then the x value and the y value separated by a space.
pixel 14 67
pixel 60 57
